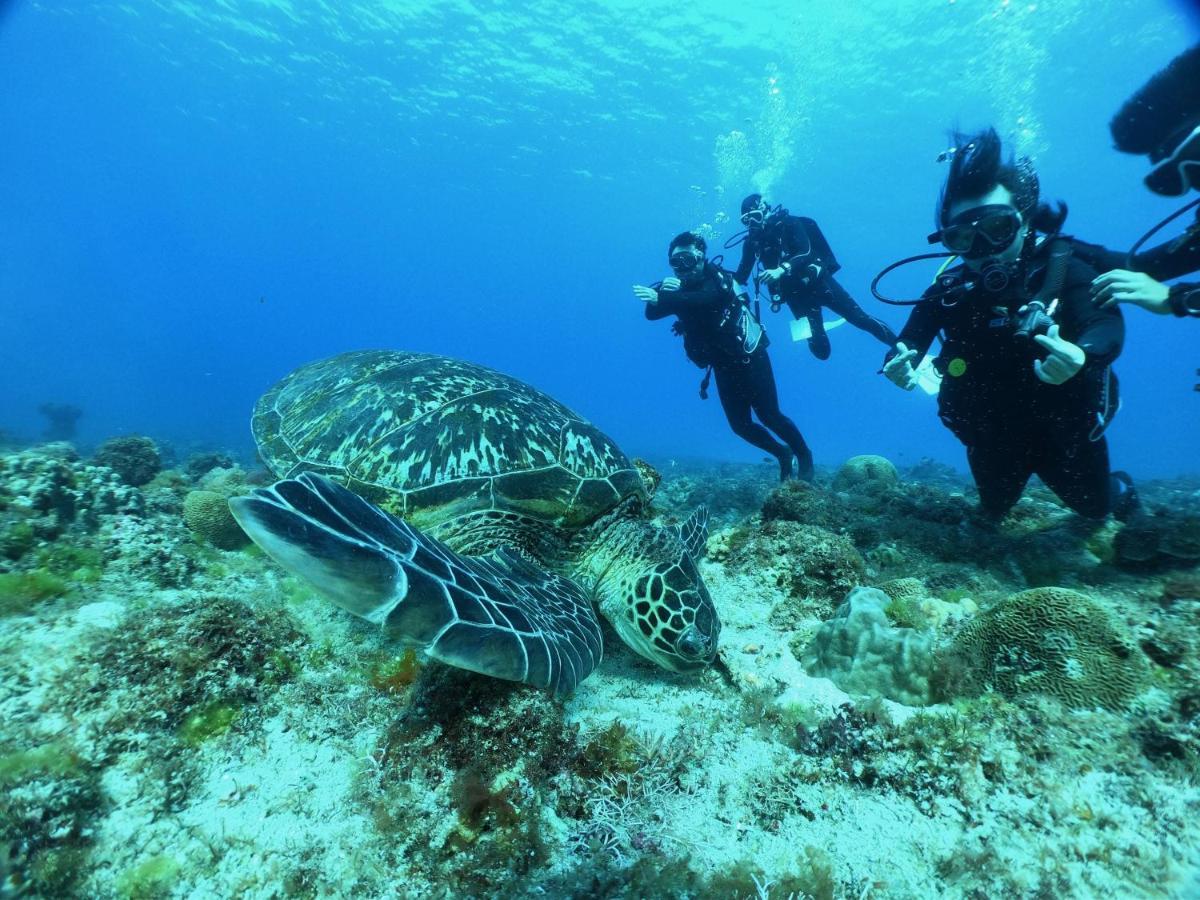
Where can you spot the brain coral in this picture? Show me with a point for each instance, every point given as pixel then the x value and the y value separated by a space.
pixel 865 472
pixel 1050 640
pixel 207 515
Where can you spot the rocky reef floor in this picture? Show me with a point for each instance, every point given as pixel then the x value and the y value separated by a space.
pixel 909 702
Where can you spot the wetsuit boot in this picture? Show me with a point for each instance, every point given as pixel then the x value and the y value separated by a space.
pixel 1125 501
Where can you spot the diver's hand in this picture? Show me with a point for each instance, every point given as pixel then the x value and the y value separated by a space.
pixel 646 294
pixel 899 369
pixel 670 284
pixel 770 276
pixel 1064 361
pixel 1138 288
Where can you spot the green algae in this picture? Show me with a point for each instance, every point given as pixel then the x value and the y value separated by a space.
pixel 153 878
pixel 84 564
pixel 21 591
pixel 17 540
pixel 208 722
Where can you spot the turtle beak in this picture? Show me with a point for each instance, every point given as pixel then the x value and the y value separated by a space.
pixel 693 646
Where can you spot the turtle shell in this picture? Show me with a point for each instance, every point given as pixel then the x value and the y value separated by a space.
pixel 431 438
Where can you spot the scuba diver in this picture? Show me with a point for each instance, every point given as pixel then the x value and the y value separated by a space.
pixel 722 335
pixel 798 266
pixel 1026 356
pixel 1162 121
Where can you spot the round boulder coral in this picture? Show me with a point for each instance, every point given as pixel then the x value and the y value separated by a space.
pixel 862 652
pixel 865 473
pixel 207 516
pixel 1049 640
pixel 134 458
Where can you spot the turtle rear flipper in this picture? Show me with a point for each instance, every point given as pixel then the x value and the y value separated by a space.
pixel 498 615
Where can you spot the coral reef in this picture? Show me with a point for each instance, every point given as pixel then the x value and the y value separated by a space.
pixel 207 516
pixel 135 458
pixel 200 464
pixel 186 722
pixel 1049 640
pixel 813 566
pixel 862 652
pixel 866 473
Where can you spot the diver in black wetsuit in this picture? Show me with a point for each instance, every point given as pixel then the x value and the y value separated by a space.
pixel 798 267
pixel 1162 121
pixel 720 334
pixel 1028 390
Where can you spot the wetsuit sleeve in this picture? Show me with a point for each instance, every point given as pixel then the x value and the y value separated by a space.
pixel 1185 299
pixel 1098 257
pixel 923 325
pixel 673 303
pixel 746 266
pixel 1168 260
pixel 1172 259
pixel 1100 332
pixel 820 250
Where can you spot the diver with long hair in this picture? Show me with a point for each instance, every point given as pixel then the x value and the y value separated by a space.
pixel 1026 357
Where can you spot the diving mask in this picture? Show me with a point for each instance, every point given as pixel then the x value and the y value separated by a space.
pixel 685 261
pixel 983 231
pixel 1181 170
pixel 754 218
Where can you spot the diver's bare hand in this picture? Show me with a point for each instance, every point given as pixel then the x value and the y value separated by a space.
pixel 899 369
pixel 1138 288
pixel 645 294
pixel 671 284
pixel 1064 361
pixel 770 276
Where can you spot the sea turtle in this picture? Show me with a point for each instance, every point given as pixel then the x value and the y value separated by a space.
pixel 473 516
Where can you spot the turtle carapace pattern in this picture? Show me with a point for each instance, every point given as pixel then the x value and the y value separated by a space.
pixel 473 516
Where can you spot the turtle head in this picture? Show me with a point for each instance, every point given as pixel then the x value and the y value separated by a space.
pixel 652 594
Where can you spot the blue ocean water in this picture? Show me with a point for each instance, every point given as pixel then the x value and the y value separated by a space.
pixel 198 197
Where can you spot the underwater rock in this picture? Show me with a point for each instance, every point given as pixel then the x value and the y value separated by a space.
pixel 161 552
pixel 729 491
pixel 1167 538
pixel 207 515
pixel 62 420
pixel 807 561
pixel 863 653
pixel 50 800
pixel 1185 586
pixel 1050 640
pixel 866 473
pixel 49 490
pixel 200 464
pixel 803 502
pixel 135 458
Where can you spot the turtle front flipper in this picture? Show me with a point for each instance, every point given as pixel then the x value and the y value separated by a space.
pixel 693 533
pixel 498 615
